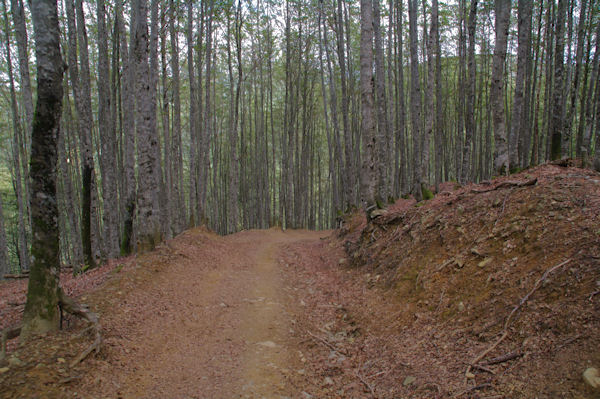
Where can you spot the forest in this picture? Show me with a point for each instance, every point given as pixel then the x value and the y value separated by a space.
pixel 322 198
pixel 251 114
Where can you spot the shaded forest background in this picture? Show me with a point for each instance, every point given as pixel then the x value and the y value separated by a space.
pixel 251 114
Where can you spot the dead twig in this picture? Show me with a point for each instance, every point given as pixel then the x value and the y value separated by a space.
pixel 378 374
pixel 327 343
pixel 504 358
pixel 483 368
pixel 537 285
pixel 569 341
pixel 474 388
pixel 365 383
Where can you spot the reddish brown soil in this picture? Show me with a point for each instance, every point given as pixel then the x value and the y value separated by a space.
pixel 398 308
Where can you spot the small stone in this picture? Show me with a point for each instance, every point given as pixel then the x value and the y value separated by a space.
pixel 15 362
pixel 470 375
pixel 4 370
pixel 61 360
pixel 476 251
pixel 342 261
pixel 268 344
pixel 409 380
pixel 378 212
pixel 485 262
pixel 328 381
pixel 461 307
pixel 306 395
pixel 592 377
pixel 301 372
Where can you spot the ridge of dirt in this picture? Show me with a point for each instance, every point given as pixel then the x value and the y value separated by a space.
pixel 458 265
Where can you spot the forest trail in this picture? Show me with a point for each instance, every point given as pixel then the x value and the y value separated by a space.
pixel 217 323
pixel 393 308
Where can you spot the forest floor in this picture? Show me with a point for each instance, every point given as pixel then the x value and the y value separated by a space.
pixel 486 291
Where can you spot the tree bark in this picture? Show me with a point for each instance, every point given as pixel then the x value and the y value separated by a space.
pixel 368 175
pixel 517 130
pixel 4 261
pixel 83 102
pixel 106 127
pixel 148 212
pixel 383 127
pixel 439 111
pixel 556 120
pixel 415 100
pixel 502 9
pixel 129 135
pixel 22 242
pixel 467 162
pixel 41 310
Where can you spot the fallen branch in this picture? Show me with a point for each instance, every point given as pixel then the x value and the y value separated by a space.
pixel 16 276
pixel 505 184
pixel 504 358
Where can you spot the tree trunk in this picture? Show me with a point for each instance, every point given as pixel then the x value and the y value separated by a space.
pixel 4 261
pixel 383 127
pixel 467 162
pixel 439 111
pixel 148 212
pixel 368 175
pixel 556 120
pixel 22 242
pixel 106 127
pixel 83 102
pixel 517 130
pixel 581 38
pixel 415 100
pixel 502 9
pixel 177 203
pixel 41 310
pixel 18 14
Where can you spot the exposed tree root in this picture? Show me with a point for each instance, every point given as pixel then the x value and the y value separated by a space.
pixel 505 184
pixel 71 306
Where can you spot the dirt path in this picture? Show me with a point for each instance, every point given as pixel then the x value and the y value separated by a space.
pixel 215 320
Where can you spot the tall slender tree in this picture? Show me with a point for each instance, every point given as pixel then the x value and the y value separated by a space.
pixel 41 310
pixel 369 169
pixel 502 10
pixel 149 232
